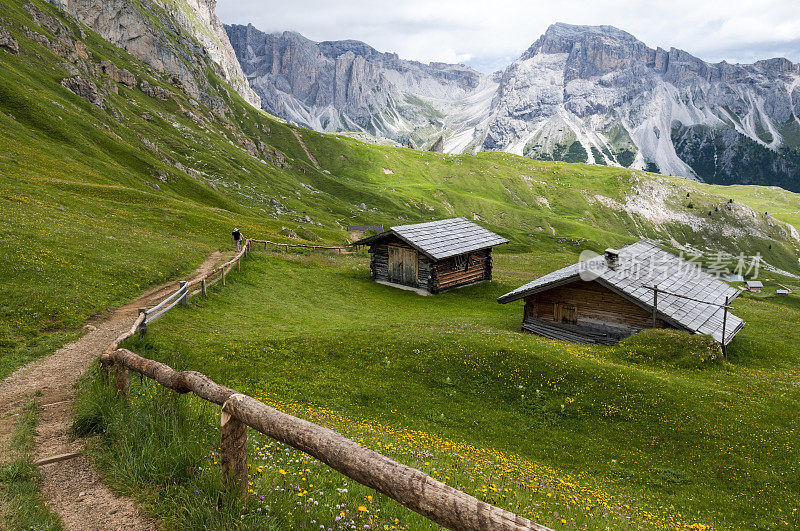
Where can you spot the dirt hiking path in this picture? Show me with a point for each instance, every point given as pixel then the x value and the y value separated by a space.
pixel 310 155
pixel 71 486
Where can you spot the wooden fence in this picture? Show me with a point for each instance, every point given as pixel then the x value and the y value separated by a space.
pixel 408 486
pixel 286 246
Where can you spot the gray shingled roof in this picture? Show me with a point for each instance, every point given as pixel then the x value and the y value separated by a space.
pixel 641 266
pixel 442 239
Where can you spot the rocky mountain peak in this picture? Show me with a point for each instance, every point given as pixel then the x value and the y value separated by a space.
pixel 564 38
pixel 592 50
pixel 577 32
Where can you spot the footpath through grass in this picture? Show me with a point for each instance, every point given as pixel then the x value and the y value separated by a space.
pixel 653 432
pixel 23 506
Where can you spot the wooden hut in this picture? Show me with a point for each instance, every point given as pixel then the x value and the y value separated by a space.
pixel 607 298
pixel 433 256
pixel 754 286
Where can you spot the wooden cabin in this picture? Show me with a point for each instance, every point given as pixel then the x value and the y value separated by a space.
pixel 433 256
pixel 754 286
pixel 610 297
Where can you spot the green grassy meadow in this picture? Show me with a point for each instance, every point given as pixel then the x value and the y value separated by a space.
pixel 99 203
pixel 654 432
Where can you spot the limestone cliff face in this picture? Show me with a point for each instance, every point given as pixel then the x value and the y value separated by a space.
pixel 186 36
pixel 199 19
pixel 349 86
pixel 292 64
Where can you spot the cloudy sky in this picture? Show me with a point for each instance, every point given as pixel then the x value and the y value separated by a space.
pixel 489 34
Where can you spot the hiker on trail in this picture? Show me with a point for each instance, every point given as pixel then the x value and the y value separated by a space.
pixel 237 239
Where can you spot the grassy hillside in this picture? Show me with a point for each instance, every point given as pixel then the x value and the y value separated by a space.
pixel 100 202
pixel 654 432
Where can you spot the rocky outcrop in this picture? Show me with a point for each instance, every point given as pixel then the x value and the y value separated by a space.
pixel 438 146
pixel 7 41
pixel 130 26
pixel 154 91
pixel 179 38
pixel 118 75
pixel 84 88
pixel 53 24
pixel 198 19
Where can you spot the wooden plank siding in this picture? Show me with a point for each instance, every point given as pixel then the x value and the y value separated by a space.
pixel 589 306
pixel 433 276
pixel 461 270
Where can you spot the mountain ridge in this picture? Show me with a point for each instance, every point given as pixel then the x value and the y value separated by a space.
pixel 579 93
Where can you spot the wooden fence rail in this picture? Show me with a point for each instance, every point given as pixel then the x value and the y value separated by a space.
pixel 287 246
pixel 408 486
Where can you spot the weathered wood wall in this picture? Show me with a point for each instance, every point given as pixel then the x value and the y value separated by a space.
pixel 434 276
pixel 462 270
pixel 595 306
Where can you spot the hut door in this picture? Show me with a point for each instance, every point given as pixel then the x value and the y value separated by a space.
pixel 410 267
pixel 403 265
pixel 395 264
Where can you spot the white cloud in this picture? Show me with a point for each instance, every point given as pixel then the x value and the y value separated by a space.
pixel 488 35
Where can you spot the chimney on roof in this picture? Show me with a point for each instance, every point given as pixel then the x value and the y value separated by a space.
pixel 612 258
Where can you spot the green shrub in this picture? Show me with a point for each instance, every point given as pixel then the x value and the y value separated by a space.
pixel 669 347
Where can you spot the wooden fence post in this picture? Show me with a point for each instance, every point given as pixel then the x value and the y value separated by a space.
pixel 238 264
pixel 724 325
pixel 203 287
pixel 122 379
pixel 223 276
pixel 185 297
pixel 233 453
pixel 265 246
pixel 143 325
pixel 655 305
